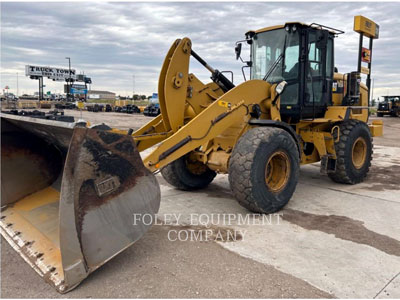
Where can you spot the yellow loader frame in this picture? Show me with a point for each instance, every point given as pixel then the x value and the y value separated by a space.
pixel 202 119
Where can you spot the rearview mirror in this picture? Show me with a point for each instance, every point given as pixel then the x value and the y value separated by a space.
pixel 238 50
pixel 322 39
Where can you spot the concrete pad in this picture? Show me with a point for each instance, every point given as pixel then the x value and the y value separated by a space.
pixel 341 239
pixel 382 181
pixel 342 268
pixel 391 290
pixel 323 197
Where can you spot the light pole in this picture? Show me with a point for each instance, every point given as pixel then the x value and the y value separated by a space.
pixel 17 86
pixel 372 89
pixel 69 78
pixel 133 88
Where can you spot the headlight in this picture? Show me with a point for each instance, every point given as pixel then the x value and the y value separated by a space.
pixel 280 87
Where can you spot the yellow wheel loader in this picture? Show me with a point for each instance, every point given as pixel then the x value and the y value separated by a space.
pixel 69 192
pixel 389 106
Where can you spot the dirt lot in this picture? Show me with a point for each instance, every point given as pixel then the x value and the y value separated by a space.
pixel 113 119
pixel 332 241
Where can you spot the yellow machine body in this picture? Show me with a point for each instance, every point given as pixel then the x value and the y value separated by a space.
pixel 190 108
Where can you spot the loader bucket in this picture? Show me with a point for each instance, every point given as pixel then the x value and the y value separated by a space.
pixel 70 195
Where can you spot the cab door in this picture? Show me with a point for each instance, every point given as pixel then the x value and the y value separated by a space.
pixel 318 73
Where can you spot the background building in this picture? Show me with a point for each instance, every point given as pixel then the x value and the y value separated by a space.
pixel 92 94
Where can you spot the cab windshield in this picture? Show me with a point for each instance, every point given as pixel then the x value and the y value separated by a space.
pixel 267 49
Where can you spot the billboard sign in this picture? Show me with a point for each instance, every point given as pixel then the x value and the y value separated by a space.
pixel 154 98
pixel 78 91
pixel 58 74
pixel 79 86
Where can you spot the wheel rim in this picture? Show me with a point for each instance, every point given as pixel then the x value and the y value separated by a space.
pixel 359 153
pixel 277 171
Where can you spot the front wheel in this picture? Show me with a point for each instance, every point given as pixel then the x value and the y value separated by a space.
pixel 186 174
pixel 264 169
pixel 353 149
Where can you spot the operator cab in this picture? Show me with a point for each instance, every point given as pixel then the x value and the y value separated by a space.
pixel 301 55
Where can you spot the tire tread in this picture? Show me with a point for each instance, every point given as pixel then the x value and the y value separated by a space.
pixel 240 168
pixel 342 175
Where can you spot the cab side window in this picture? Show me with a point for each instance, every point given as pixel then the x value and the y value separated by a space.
pixel 314 72
pixel 291 69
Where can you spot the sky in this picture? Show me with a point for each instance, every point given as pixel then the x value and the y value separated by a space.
pixel 121 46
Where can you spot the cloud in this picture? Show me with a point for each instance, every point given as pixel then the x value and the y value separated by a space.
pixel 111 42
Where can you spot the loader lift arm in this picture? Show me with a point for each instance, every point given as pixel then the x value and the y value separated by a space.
pixel 176 88
pixel 190 114
pixel 231 108
pixel 193 113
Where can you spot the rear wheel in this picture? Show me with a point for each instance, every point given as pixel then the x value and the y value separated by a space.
pixel 264 169
pixel 187 174
pixel 379 115
pixel 353 151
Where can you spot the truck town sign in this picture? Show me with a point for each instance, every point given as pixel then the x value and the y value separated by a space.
pixel 57 74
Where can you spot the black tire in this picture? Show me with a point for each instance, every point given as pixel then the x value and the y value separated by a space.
pixel 380 115
pixel 352 169
pixel 182 177
pixel 250 175
pixel 395 113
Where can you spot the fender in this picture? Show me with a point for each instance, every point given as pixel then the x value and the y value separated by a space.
pixel 281 125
